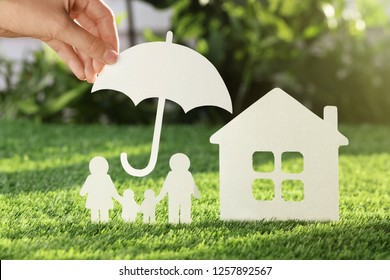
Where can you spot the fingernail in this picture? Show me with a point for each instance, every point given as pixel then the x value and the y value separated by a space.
pixel 110 56
pixel 91 79
pixel 76 70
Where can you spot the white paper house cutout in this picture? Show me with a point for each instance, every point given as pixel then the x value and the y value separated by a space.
pixel 277 123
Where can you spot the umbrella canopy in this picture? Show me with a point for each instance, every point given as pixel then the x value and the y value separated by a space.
pixel 164 70
pixel 169 71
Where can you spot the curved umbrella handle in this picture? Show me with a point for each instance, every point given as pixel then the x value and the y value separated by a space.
pixel 155 145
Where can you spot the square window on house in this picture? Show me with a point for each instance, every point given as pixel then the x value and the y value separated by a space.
pixel 292 162
pixel 263 189
pixel 263 161
pixel 292 190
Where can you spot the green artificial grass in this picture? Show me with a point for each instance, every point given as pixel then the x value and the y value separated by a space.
pixel 42 168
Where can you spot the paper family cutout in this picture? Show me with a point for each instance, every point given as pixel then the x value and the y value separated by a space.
pixel 179 186
pixel 276 124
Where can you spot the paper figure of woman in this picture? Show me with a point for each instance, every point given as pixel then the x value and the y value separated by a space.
pixel 100 190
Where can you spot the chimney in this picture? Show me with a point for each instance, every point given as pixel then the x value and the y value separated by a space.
pixel 330 116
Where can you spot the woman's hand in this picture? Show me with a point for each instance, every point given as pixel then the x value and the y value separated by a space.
pixel 82 32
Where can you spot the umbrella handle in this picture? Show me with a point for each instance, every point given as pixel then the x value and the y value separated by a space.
pixel 155 146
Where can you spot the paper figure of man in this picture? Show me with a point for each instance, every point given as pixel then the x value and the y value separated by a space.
pixel 100 190
pixel 180 186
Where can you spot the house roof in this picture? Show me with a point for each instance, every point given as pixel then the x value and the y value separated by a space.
pixel 278 115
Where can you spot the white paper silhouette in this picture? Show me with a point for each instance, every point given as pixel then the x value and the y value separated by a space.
pixel 164 70
pixel 256 181
pixel 100 190
pixel 130 207
pixel 180 187
pixel 277 124
pixel 148 207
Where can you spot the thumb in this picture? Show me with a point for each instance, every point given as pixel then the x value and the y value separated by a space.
pixel 87 43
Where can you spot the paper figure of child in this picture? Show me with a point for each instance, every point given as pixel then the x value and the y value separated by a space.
pixel 148 207
pixel 180 186
pixel 130 208
pixel 100 190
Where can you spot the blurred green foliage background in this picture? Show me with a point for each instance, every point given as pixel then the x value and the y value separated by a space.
pixel 321 52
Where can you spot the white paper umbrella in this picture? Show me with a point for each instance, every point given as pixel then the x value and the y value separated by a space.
pixel 164 70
